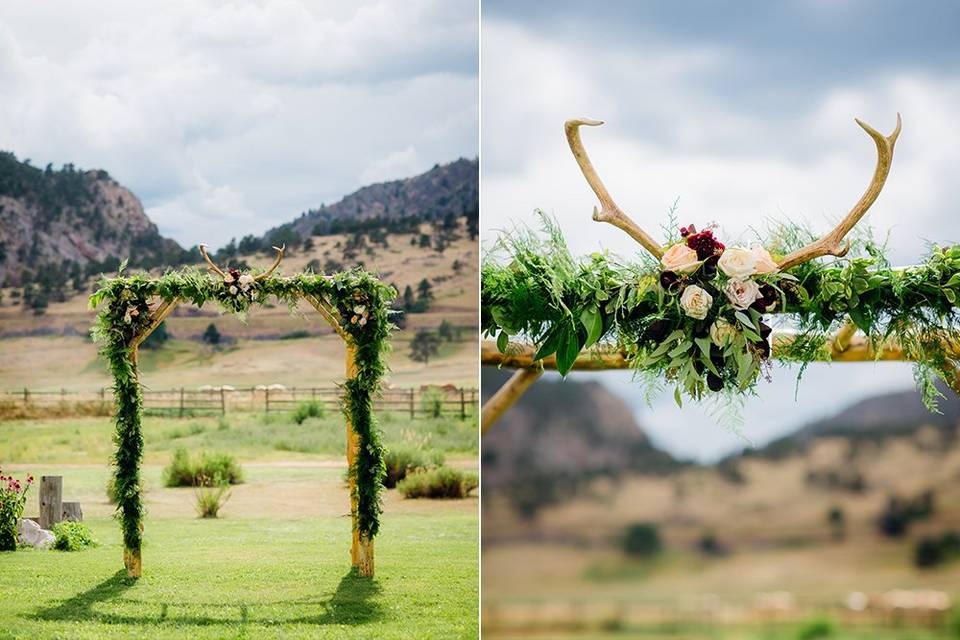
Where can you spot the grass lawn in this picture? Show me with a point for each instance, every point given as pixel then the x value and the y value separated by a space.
pixel 275 565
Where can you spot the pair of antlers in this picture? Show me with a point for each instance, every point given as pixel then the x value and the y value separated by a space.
pixel 831 244
pixel 219 271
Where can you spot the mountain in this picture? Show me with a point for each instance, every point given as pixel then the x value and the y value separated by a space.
pixel 69 219
pixel 560 435
pixel 447 189
pixel 873 418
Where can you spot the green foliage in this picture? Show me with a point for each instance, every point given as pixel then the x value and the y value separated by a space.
pixel 932 551
pixel 212 335
pixel 13 495
pixel 432 401
pixel 424 346
pixel 401 461
pixel 124 314
pixel 186 472
pixel 72 536
pixel 531 286
pixel 900 513
pixel 441 482
pixel 816 629
pixel 641 540
pixel 309 409
pixel 210 496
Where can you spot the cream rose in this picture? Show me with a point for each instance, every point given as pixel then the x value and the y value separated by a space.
pixel 696 302
pixel 738 262
pixel 233 290
pixel 228 278
pixel 245 279
pixel 765 262
pixel 680 259
pixel 722 332
pixel 742 293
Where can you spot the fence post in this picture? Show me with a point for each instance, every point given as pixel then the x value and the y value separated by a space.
pixel 26 396
pixel 463 404
pixel 411 404
pixel 266 400
pixel 181 402
pixel 51 500
pixel 223 403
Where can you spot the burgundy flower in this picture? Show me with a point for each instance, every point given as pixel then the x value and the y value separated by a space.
pixel 686 231
pixel 705 244
pixel 709 268
pixel 656 331
pixel 714 382
pixel 669 280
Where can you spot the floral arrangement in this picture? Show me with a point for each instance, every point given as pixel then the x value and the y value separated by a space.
pixel 13 495
pixel 710 330
pixel 697 318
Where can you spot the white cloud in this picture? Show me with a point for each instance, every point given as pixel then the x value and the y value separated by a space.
pixel 229 118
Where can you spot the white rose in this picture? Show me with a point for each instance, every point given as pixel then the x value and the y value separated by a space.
pixel 722 332
pixel 765 262
pixel 680 259
pixel 360 310
pixel 696 302
pixel 246 279
pixel 233 290
pixel 738 262
pixel 363 321
pixel 742 293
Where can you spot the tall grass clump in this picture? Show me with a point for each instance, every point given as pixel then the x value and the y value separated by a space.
pixel 210 496
pixel 309 409
pixel 404 460
pixel 442 482
pixel 183 471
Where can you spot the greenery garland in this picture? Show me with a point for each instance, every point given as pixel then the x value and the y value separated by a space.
pixel 362 303
pixel 698 318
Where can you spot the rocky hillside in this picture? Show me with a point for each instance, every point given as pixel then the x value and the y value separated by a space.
pixel 560 435
pixel 446 189
pixel 71 219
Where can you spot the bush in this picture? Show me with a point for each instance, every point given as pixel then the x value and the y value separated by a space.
pixel 402 461
pixel 816 629
pixel 309 409
pixel 932 551
pixel 218 468
pixel 72 536
pixel 431 401
pixel 210 497
pixel 641 540
pixel 442 482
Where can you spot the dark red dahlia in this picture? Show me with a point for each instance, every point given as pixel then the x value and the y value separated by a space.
pixel 234 272
pixel 686 231
pixel 705 244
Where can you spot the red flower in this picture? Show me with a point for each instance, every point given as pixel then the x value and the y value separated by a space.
pixel 705 244
pixel 29 479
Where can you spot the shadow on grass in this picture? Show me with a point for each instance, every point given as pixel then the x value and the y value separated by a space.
pixel 351 604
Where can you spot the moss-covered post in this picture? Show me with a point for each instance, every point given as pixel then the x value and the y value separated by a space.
pixel 361 551
pixel 129 437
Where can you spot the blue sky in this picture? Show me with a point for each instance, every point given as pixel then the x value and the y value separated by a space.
pixel 741 111
pixel 227 118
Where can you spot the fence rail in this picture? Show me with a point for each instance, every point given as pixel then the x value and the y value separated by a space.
pixel 422 402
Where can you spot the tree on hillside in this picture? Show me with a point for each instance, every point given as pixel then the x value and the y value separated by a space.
pixel 212 335
pixel 425 290
pixel 425 345
pixel 447 331
pixel 837 520
pixel 409 301
pixel 157 339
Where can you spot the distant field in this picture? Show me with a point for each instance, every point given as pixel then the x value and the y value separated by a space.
pixel 51 351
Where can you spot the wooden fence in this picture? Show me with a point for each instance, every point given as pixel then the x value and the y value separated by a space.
pixel 422 402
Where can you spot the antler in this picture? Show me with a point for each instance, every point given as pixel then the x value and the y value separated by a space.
pixel 213 267
pixel 609 211
pixel 276 263
pixel 830 244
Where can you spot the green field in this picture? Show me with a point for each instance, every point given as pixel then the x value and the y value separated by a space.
pixel 274 565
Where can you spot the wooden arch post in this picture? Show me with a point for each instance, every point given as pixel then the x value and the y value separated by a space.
pixel 361 550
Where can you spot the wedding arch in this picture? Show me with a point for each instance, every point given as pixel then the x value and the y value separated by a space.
pixel 354 303
pixel 692 311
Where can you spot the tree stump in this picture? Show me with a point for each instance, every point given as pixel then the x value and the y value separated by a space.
pixel 72 512
pixel 51 500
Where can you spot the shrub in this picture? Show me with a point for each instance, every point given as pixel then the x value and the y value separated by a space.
pixel 442 482
pixel 816 629
pixel 72 536
pixel 931 551
pixel 401 461
pixel 309 409
pixel 185 472
pixel 641 540
pixel 210 497
pixel 13 495
pixel 431 401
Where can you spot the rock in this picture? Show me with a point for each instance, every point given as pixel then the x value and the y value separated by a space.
pixel 31 534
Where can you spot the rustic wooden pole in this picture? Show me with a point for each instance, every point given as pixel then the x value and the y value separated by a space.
pixel 411 403
pixel 361 552
pixel 181 402
pixel 51 501
pixel 506 395
pixel 223 402
pixel 131 557
pixel 463 404
pixel 72 512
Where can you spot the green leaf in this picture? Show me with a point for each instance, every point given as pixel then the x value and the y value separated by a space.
pixel 954 281
pixel 704 344
pixel 593 323
pixel 677 397
pixel 503 341
pixel 500 317
pixel 549 345
pixel 951 295
pixel 567 350
pixel 744 319
pixel 861 319
pixel 681 348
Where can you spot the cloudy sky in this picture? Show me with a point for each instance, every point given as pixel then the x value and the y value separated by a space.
pixel 227 118
pixel 744 112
